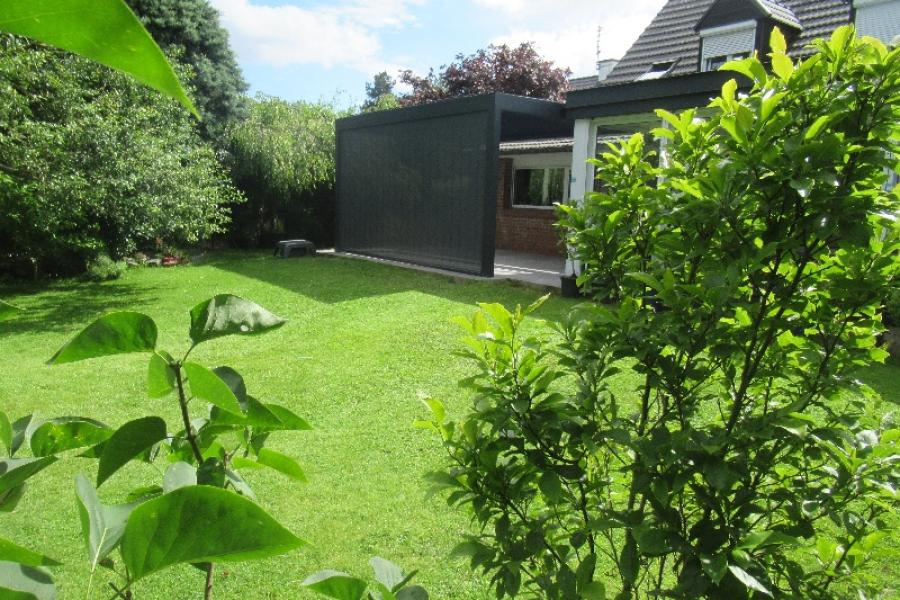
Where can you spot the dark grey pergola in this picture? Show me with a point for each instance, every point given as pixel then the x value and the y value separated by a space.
pixel 419 184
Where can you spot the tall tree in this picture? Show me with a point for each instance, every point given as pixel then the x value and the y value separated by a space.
pixel 283 157
pixel 380 93
pixel 520 70
pixel 93 162
pixel 190 30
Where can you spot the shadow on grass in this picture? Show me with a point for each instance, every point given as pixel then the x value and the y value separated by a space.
pixel 333 280
pixel 884 379
pixel 66 304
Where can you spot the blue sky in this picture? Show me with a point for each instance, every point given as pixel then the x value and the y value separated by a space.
pixel 301 49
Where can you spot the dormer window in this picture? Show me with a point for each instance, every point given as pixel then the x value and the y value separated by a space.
pixel 714 63
pixel 878 18
pixel 657 70
pixel 726 42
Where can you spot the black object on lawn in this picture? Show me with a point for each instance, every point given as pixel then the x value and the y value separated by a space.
pixel 288 248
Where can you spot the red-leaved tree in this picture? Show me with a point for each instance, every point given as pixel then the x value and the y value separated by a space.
pixel 520 70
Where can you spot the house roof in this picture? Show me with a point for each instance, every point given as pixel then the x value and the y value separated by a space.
pixel 779 12
pixel 672 35
pixel 584 83
pixel 542 145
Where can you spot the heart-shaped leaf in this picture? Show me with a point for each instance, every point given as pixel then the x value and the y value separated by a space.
pixel 208 386
pixel 14 553
pixel 102 526
pixel 230 315
pixel 106 31
pixel 67 433
pixel 335 584
pixel 129 441
pixel 200 524
pixel 114 333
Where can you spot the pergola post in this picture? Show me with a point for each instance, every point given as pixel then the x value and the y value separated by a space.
pixel 582 178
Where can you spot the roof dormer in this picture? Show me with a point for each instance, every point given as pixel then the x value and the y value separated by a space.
pixel 734 29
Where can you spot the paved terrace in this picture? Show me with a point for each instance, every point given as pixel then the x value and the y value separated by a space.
pixel 532 269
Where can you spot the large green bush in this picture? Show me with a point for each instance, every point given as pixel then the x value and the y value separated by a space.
pixel 751 267
pixel 283 158
pixel 92 161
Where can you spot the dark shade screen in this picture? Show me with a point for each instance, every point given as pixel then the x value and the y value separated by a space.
pixel 415 191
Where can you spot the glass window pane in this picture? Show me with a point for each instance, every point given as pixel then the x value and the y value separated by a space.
pixel 713 64
pixel 529 187
pixel 556 187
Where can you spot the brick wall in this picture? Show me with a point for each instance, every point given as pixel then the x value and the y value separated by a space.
pixel 523 229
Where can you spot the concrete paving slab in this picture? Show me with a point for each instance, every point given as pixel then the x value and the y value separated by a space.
pixel 532 269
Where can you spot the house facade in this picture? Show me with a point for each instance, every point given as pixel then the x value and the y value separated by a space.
pixel 535 153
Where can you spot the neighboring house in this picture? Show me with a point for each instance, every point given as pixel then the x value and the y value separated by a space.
pixel 532 162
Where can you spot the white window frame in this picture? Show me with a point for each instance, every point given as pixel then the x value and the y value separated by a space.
pixel 537 162
pixel 723 57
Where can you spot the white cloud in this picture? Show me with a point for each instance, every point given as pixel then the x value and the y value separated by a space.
pixel 345 34
pixel 566 30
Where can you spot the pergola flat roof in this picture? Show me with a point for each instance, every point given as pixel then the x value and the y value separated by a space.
pixel 520 117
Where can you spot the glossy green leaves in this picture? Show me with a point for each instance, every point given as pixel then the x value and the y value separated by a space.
pixel 200 524
pixel 209 387
pixel 14 471
pixel 105 31
pixel 390 583
pixel 189 516
pixel 67 433
pixel 14 553
pixel 129 441
pixel 230 315
pixel 281 463
pixel 336 584
pixel 114 333
pixel 160 375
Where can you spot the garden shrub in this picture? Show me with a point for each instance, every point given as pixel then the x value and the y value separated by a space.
pixel 103 268
pixel 93 162
pixel 747 461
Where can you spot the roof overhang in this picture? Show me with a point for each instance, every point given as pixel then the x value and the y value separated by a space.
pixel 671 93
pixel 538 146
pixel 519 117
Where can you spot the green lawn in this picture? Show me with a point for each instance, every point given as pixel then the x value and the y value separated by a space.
pixel 363 343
